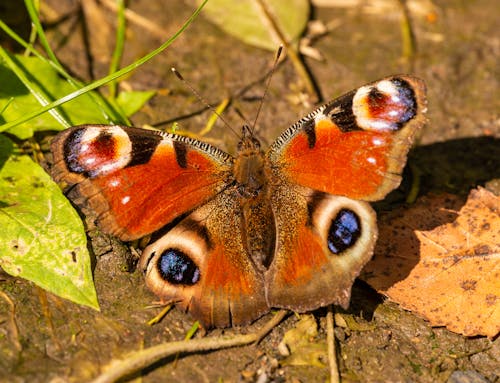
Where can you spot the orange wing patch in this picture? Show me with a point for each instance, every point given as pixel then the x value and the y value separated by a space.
pixel 353 164
pixel 138 180
pixel 161 188
pixel 306 258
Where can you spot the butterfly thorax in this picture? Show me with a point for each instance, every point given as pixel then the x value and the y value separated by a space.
pixel 249 165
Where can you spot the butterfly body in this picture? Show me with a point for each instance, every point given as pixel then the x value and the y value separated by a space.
pixel 288 227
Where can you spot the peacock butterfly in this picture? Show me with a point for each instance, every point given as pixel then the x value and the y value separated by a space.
pixel 289 227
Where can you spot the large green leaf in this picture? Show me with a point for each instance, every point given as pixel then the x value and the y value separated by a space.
pixel 42 237
pixel 245 20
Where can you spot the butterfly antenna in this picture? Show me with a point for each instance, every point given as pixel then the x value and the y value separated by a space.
pixel 273 69
pixel 202 100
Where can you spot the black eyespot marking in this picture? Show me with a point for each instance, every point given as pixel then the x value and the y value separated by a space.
pixel 71 147
pixel 177 268
pixel 90 156
pixel 101 149
pixel 408 99
pixel 388 106
pixel 344 231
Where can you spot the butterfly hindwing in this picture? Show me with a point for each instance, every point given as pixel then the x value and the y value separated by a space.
pixel 138 180
pixel 322 242
pixel 203 264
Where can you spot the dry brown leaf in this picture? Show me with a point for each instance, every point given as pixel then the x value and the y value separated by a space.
pixel 443 264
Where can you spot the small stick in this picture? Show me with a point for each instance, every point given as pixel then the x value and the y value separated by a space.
pixel 330 339
pixel 139 360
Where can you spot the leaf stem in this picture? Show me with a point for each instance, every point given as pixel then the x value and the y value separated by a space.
pixel 291 51
pixel 120 43
pixel 407 34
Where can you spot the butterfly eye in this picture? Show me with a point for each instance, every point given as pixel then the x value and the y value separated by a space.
pixel 344 231
pixel 97 151
pixel 256 143
pixel 177 268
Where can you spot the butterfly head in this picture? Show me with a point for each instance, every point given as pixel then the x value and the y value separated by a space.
pixel 248 142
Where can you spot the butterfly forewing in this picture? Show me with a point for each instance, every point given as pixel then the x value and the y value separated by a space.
pixel 138 180
pixel 356 145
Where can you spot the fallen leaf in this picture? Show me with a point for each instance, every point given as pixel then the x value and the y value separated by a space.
pixel 246 20
pixel 301 346
pixel 443 264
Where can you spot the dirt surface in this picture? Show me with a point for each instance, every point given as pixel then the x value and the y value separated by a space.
pixel 51 340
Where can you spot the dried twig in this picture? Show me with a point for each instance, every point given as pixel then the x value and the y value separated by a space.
pixel 139 360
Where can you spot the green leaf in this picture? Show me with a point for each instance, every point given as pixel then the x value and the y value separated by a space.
pixel 246 20
pixel 96 84
pixel 131 102
pixel 45 78
pixel 16 100
pixel 42 237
